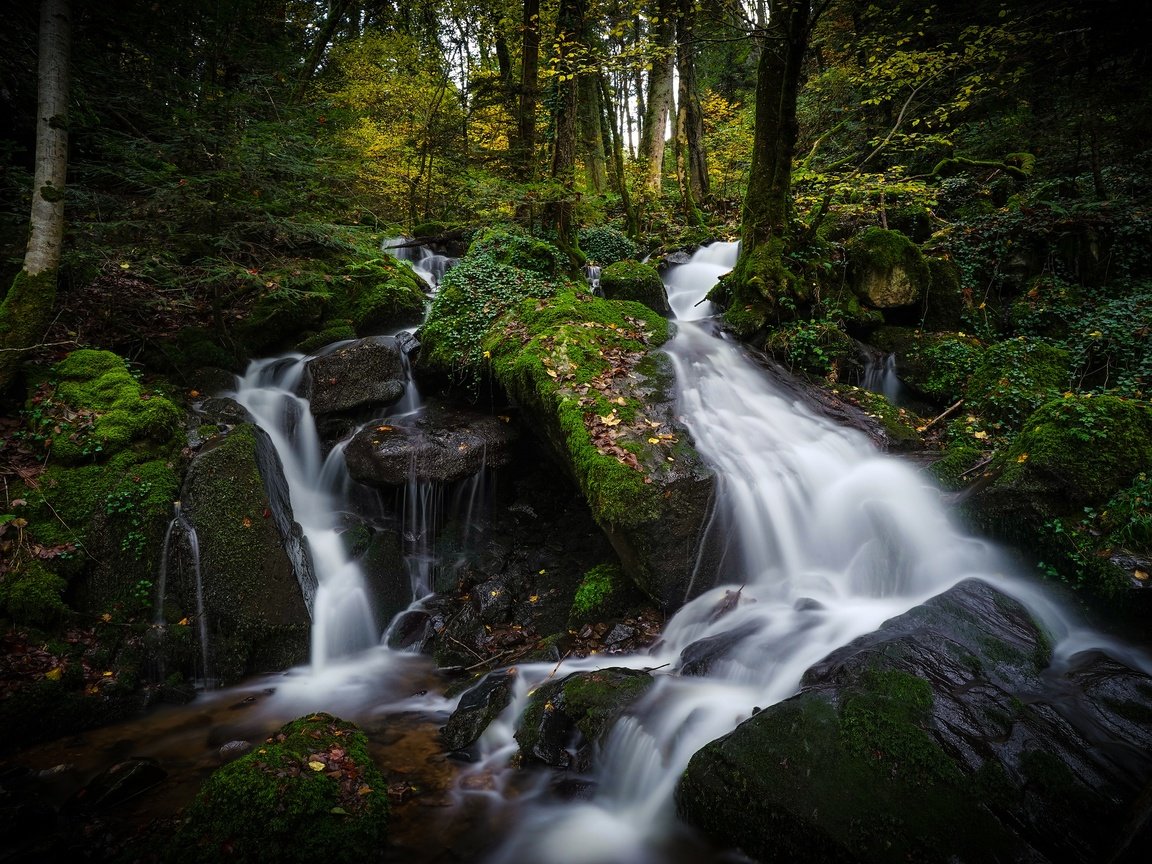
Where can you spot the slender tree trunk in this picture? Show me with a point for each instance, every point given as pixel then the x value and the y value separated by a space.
pixel 559 214
pixel 529 73
pixel 591 134
pixel 691 167
pixel 27 307
pixel 659 95
pixel 336 12
pixel 632 221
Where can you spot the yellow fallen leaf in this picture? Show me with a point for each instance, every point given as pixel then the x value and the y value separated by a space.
pixel 535 598
pixel 106 617
pixel 193 393
pixel 487 355
pixel 1023 457
pixel 653 440
pixel 364 790
pixel 383 428
pixel 124 265
pixel 183 622
pixel 981 435
pixel 54 674
pixel 247 523
pixel 1141 575
pixel 621 401
pixel 107 674
pixel 551 373
pixel 317 766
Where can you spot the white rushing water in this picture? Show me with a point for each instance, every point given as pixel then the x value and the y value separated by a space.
pixel 825 540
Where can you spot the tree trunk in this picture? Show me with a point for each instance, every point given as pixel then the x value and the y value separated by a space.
pixel 27 307
pixel 529 73
pixel 559 214
pixel 591 134
pixel 619 179
pixel 335 15
pixel 761 284
pixel 691 167
pixel 659 95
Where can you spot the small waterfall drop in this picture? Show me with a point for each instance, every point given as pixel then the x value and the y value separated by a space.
pixel 181 534
pixel 880 377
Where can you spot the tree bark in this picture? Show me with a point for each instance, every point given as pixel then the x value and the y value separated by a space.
pixel 691 165
pixel 560 211
pixel 27 307
pixel 632 221
pixel 659 103
pixel 591 134
pixel 336 14
pixel 529 74
pixel 761 284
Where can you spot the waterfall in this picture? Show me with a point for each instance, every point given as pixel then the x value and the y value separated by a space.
pixel 182 529
pixel 827 539
pixel 880 377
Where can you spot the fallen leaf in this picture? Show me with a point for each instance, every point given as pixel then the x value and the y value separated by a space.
pixel 183 622
pixel 317 766
pixel 653 440
pixel 54 674
pixel 1023 457
pixel 364 790
pixel 982 435
pixel 1140 575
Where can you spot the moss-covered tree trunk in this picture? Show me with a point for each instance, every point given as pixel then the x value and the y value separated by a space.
pixel 761 284
pixel 28 305
pixel 559 214
pixel 659 94
pixel 529 73
pixel 618 177
pixel 691 168
pixel 591 134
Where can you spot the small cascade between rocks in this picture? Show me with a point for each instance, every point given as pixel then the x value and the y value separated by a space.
pixel 181 531
pixel 880 376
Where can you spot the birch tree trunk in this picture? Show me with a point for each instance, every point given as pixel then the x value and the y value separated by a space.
pixel 27 307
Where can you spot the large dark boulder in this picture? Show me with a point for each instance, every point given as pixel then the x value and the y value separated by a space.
pixel 370 373
pixel 943 736
pixel 443 445
pixel 256 573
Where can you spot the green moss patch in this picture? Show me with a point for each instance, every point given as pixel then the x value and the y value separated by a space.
pixel 629 280
pixel 309 793
pixel 1014 378
pixel 886 268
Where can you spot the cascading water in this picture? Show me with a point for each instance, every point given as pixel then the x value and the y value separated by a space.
pixel 826 539
pixel 880 377
pixel 181 529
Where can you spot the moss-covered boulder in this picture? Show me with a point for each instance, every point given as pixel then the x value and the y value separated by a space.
pixel 112 410
pixel 604 245
pixel 564 719
pixel 629 280
pixel 936 738
pixel 257 579
pixel 1015 377
pixel 584 371
pixel 276 318
pixel 601 594
pixel 377 295
pixel 309 793
pixel 513 247
pixel 944 303
pixel 886 269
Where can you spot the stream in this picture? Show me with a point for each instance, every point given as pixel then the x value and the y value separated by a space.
pixel 823 539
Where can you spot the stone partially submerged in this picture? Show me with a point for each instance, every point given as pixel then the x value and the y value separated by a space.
pixel 943 736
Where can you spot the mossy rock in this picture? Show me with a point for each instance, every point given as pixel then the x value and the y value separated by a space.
pixel 761 288
pixel 898 424
pixel 254 601
pixel 944 304
pixel 585 371
pixel 886 269
pixel 278 318
pixel 377 295
pixel 114 410
pixel 1082 448
pixel 629 280
pixel 933 739
pixel 599 595
pixel 1014 378
pixel 337 330
pixel 310 793
pixel 32 595
pixel 576 713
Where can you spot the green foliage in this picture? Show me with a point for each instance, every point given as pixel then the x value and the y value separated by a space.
pixel 1015 377
pixel 818 347
pixel 472 295
pixel 514 248
pixel 604 245
pixel 1111 345
pixel 596 592
pixel 309 792
pixel 1128 515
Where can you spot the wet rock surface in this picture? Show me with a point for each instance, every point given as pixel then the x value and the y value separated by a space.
pixel 943 736
pixel 443 445
pixel 479 706
pixel 364 374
